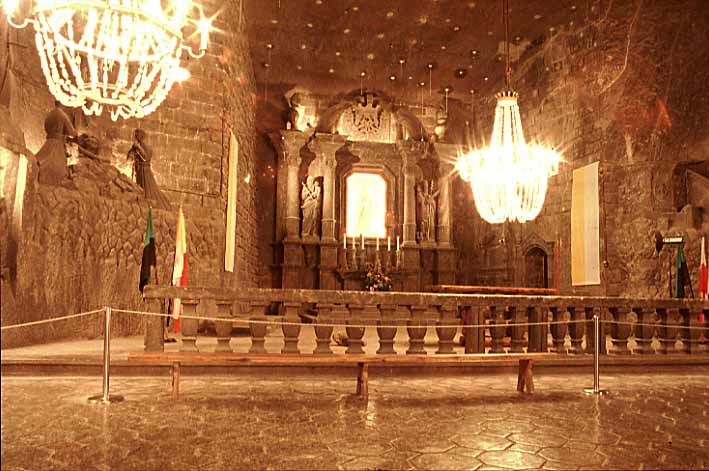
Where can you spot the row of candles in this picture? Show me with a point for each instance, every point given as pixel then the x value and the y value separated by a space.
pixel 344 242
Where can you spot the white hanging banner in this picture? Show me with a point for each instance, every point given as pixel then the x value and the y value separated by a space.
pixel 230 246
pixel 585 232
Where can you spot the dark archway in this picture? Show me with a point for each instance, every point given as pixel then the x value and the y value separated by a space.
pixel 536 268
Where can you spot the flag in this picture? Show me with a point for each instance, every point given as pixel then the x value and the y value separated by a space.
pixel 703 276
pixel 682 273
pixel 149 257
pixel 179 270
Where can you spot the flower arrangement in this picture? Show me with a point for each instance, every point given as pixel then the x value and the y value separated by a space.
pixel 376 280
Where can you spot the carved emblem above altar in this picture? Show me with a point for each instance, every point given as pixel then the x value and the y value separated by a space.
pixel 367 120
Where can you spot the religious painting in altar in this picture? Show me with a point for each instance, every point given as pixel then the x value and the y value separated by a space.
pixel 366 197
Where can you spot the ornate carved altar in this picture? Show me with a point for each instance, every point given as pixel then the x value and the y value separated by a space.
pixel 408 201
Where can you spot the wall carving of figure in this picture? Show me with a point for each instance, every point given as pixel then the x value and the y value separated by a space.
pixel 141 154
pixel 426 195
pixel 52 157
pixel 310 204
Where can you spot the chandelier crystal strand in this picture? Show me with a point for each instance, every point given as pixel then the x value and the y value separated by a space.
pixel 509 177
pixel 122 55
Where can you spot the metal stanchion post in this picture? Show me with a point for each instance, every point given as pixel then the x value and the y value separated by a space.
pixel 596 355
pixel 106 398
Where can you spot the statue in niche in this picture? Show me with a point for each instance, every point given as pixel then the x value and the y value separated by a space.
pixel 52 157
pixel 310 204
pixel 426 197
pixel 141 155
pixel 439 132
pixel 297 119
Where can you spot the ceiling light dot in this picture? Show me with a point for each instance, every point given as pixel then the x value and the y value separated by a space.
pixel 443 48
pixel 274 22
pixel 309 25
pixel 331 70
pixel 460 73
pixel 552 29
pixel 422 84
pixel 448 20
pixel 411 77
pixel 537 16
pixel 430 65
pixel 380 36
pixel 266 65
pixel 402 61
pixel 370 56
pixel 390 14
pixel 474 52
pixel 423 20
pixel 299 67
pixel 355 8
pixel 318 2
pixel 303 47
pixel 573 7
pixel 392 77
pixel 456 28
pixel 269 46
pixel 486 78
pixel 518 38
pixel 347 31
pixel 363 74
pixel 338 53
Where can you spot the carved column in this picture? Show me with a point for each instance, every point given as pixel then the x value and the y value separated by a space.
pixel 324 146
pixel 410 154
pixel 288 145
pixel 446 153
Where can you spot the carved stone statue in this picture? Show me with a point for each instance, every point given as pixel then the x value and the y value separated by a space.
pixel 297 119
pixel 52 157
pixel 426 198
pixel 439 132
pixel 310 204
pixel 141 155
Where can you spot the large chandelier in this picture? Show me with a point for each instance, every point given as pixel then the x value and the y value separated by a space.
pixel 509 177
pixel 123 55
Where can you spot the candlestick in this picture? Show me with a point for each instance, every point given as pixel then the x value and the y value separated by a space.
pixel 388 243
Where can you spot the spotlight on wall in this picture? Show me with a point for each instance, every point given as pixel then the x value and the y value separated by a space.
pixel 661 241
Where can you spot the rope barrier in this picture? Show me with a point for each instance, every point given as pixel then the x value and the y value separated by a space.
pixel 334 324
pixel 645 324
pixel 54 319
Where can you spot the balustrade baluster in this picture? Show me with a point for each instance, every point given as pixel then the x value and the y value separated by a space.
pixel 517 340
pixel 535 343
pixel 258 329
pixel 291 328
pixel 644 333
pixel 323 334
pixel 497 329
pixel 558 329
pixel 447 316
pixel 355 334
pixel 416 328
pixel 667 331
pixel 386 333
pixel 695 345
pixel 474 336
pixel 223 328
pixel 189 327
pixel 685 335
pixel 620 330
pixel 576 329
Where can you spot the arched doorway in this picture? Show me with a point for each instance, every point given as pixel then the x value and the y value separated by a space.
pixel 536 268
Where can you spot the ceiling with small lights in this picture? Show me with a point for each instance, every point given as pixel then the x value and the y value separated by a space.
pixel 402 47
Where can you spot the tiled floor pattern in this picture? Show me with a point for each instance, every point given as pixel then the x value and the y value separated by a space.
pixel 649 421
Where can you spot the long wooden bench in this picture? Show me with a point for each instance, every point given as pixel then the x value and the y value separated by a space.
pixel 525 379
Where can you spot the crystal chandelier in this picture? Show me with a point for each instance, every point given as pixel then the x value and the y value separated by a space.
pixel 509 177
pixel 123 55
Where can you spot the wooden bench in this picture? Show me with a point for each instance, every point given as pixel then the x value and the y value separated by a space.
pixel 525 379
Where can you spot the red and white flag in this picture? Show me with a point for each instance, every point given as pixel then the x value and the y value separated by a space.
pixel 179 270
pixel 703 281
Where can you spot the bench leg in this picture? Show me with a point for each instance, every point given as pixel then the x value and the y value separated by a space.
pixel 363 381
pixel 525 377
pixel 175 380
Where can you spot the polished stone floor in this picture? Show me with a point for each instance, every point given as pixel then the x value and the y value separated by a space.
pixel 649 421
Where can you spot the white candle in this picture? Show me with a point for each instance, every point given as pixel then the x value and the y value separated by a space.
pixel 344 241
pixel 388 243
pixel 377 244
pixel 362 236
pixel 397 243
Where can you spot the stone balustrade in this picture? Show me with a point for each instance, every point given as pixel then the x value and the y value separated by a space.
pixel 560 324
